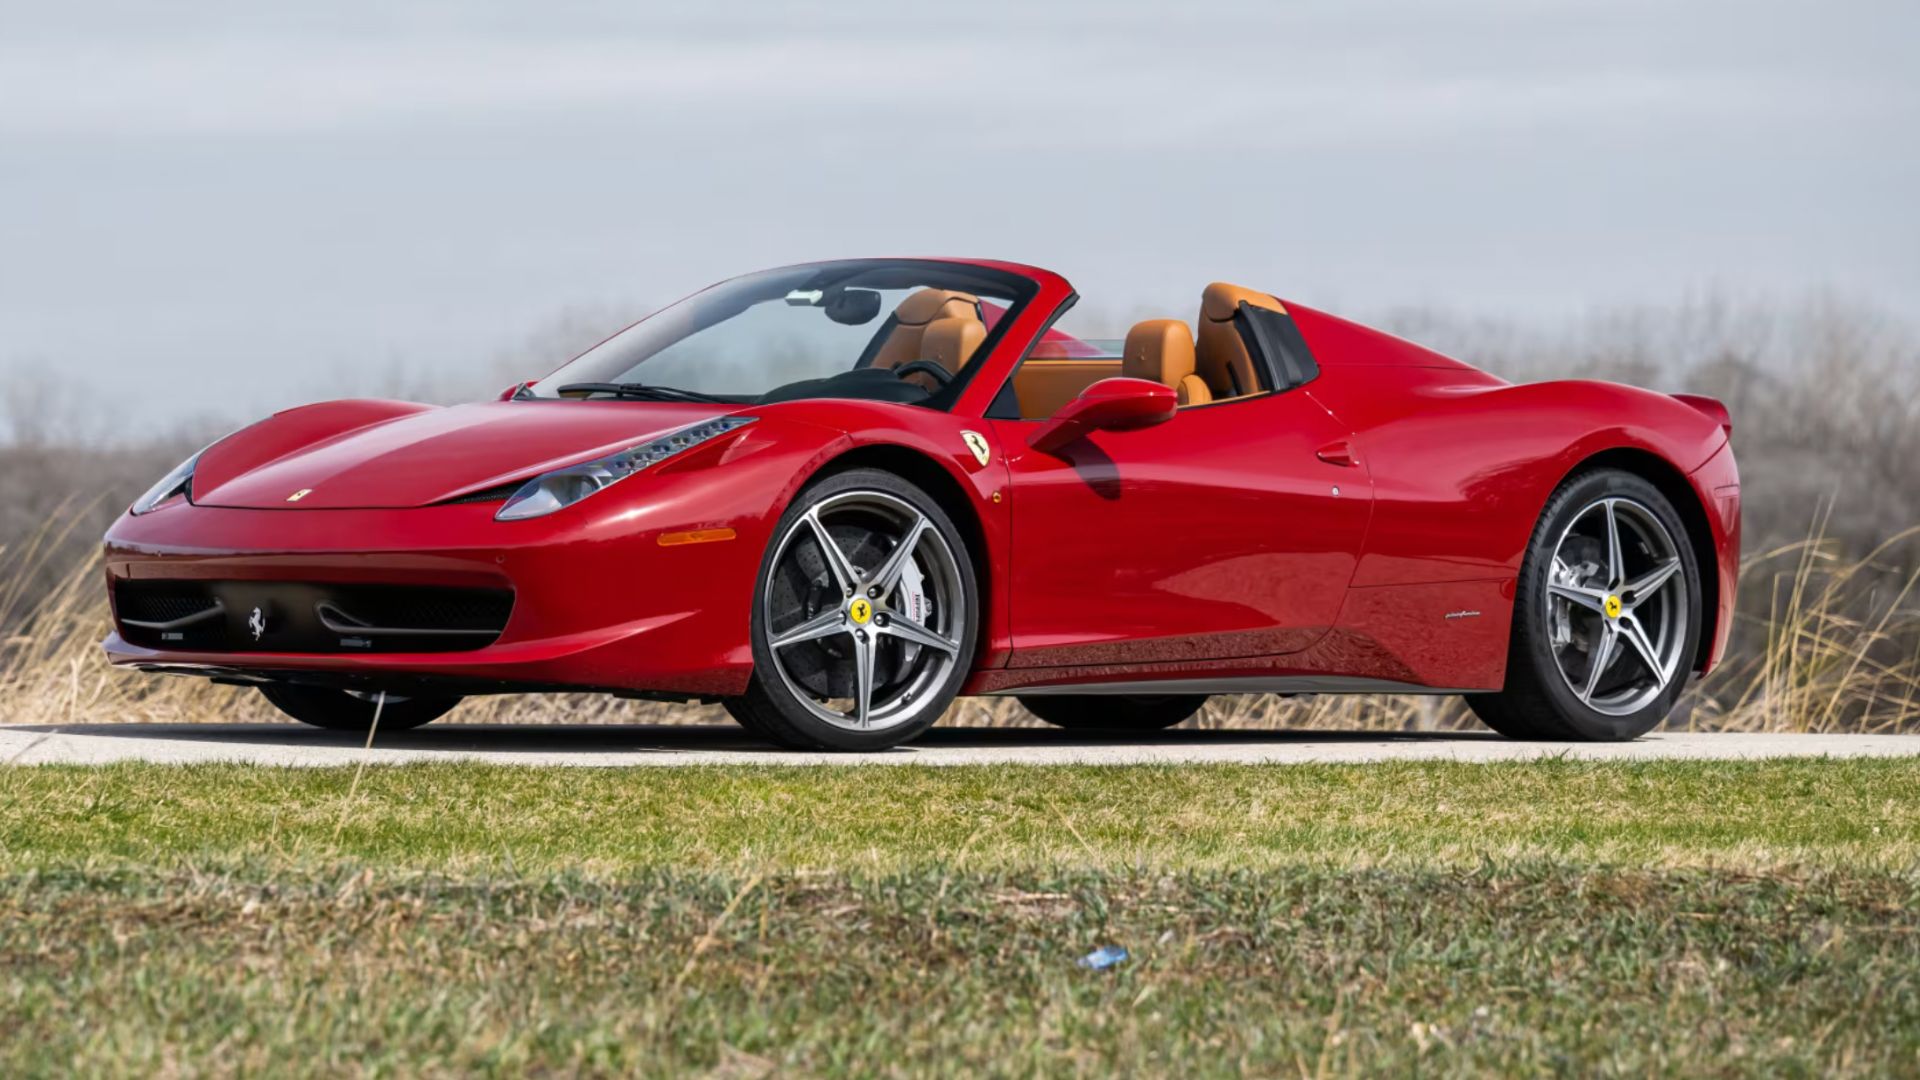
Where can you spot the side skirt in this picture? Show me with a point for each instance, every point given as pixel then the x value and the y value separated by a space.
pixel 1256 684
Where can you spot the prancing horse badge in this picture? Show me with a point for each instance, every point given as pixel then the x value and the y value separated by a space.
pixel 977 443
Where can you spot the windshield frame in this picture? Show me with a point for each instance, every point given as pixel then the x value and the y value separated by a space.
pixel 1015 291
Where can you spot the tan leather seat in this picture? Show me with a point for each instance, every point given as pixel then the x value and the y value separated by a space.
pixel 917 314
pixel 1044 386
pixel 1221 355
pixel 951 342
pixel 1162 350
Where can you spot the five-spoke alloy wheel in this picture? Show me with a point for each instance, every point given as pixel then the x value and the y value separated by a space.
pixel 864 617
pixel 1606 616
pixel 1616 634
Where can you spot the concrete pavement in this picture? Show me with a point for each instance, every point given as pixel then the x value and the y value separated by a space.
pixel 297 745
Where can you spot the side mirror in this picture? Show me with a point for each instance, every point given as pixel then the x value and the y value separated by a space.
pixel 1108 405
pixel 515 390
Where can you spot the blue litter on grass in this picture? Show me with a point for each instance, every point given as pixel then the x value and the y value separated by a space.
pixel 1104 957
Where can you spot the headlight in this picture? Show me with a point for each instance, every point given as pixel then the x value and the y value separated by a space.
pixel 177 482
pixel 562 488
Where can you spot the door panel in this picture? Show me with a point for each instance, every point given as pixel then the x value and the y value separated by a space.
pixel 1215 535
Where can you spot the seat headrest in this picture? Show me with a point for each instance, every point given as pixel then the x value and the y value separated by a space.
pixel 1160 350
pixel 1221 300
pixel 929 304
pixel 952 341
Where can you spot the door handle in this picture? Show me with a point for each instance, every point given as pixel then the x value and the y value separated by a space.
pixel 1338 453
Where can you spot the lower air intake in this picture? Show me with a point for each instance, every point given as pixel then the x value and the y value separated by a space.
pixel 254 616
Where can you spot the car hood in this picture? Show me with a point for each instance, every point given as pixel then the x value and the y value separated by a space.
pixel 374 454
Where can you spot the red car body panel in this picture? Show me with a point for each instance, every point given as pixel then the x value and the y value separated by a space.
pixel 356 455
pixel 1211 550
pixel 1162 545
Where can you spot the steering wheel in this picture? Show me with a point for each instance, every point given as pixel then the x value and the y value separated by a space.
pixel 931 368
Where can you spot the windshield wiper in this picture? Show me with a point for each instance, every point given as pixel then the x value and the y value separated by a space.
pixel 642 392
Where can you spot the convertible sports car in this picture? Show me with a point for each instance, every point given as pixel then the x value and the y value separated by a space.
pixel 834 496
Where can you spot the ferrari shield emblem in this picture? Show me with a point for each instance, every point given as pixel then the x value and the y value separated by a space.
pixel 860 611
pixel 977 443
pixel 301 494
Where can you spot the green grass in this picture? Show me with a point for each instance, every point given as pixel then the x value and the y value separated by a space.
pixel 1672 918
pixel 1859 812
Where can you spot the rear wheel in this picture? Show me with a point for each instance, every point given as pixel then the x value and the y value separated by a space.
pixel 342 710
pixel 1136 712
pixel 1606 617
pixel 864 617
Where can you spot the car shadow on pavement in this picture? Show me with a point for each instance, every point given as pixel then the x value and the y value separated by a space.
pixel 658 738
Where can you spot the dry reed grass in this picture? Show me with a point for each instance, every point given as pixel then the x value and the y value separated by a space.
pixel 1823 643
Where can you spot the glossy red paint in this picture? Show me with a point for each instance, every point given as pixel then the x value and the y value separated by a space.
pixel 356 455
pixel 1361 531
pixel 598 602
pixel 1108 405
pixel 1716 485
pixel 1463 462
pixel 1164 545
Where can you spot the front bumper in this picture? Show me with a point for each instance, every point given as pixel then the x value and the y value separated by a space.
pixel 598 602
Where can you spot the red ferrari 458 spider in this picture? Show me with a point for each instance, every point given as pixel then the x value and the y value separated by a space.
pixel 834 496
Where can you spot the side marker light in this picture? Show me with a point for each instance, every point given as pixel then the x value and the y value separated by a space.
pixel 695 536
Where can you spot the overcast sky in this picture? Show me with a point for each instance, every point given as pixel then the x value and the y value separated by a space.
pixel 231 207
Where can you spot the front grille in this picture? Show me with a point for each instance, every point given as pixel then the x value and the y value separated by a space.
pixel 258 616
pixel 453 610
pixel 163 602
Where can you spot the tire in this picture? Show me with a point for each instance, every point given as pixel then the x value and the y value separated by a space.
pixel 1091 712
pixel 737 708
pixel 1575 593
pixel 915 617
pixel 337 710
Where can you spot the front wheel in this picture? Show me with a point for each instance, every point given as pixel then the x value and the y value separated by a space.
pixel 1606 616
pixel 1135 712
pixel 864 617
pixel 343 710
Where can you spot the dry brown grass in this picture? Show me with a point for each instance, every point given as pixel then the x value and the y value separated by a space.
pixel 1823 643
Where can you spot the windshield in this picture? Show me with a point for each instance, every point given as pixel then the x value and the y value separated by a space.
pixel 842 329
